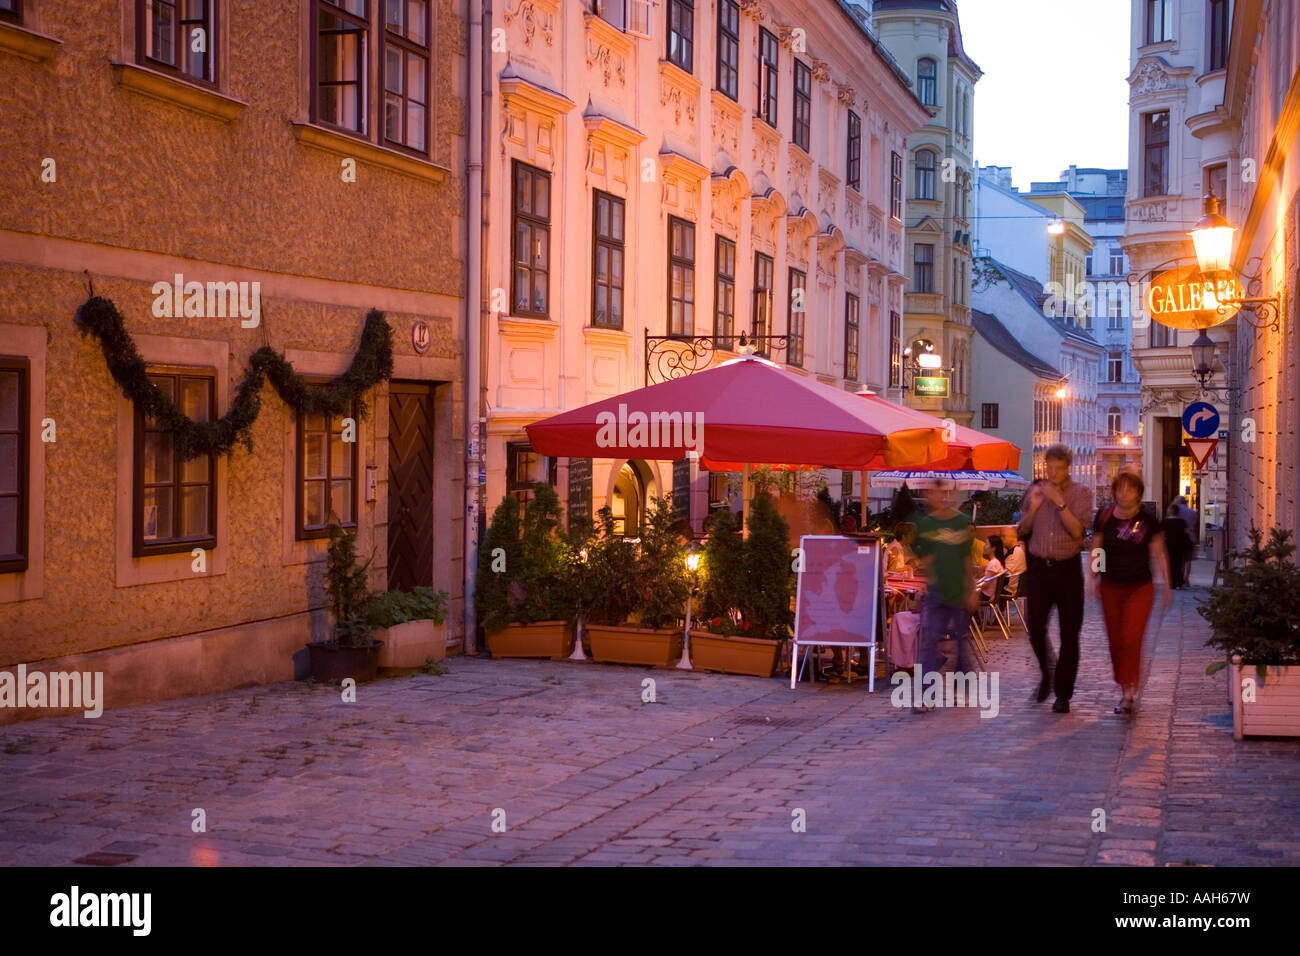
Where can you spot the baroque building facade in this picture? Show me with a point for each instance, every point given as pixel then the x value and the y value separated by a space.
pixel 682 170
pixel 925 37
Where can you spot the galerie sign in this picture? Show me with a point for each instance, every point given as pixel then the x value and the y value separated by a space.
pixel 1186 299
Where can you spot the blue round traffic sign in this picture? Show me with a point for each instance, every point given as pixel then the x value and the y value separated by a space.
pixel 1200 420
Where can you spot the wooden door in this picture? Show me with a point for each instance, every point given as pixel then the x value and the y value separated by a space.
pixel 410 485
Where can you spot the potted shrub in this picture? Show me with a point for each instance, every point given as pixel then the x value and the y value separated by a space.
pixel 353 652
pixel 651 634
pixel 410 625
pixel 604 576
pixel 1255 616
pixel 521 589
pixel 746 600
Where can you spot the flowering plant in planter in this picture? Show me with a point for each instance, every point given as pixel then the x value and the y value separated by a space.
pixel 726 626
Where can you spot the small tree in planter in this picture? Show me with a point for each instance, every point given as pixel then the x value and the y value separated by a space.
pixel 522 594
pixel 606 580
pixel 353 652
pixel 1255 615
pixel 659 588
pixel 755 576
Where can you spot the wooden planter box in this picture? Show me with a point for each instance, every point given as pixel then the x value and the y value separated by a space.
pixel 1275 711
pixel 412 643
pixel 734 655
pixel 634 645
pixel 553 639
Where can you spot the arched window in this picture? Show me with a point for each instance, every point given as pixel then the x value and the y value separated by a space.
pixel 1114 419
pixel 924 174
pixel 926 86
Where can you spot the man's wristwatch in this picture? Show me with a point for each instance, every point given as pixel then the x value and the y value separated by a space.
pixel 1061 506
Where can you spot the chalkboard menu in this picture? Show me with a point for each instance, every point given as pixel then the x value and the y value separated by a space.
pixel 579 490
pixel 682 488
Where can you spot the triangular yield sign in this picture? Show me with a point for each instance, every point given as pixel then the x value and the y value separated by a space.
pixel 1200 449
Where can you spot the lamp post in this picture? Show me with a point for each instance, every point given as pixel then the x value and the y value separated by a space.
pixel 692 568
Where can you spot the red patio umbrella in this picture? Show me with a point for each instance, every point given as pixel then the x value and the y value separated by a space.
pixel 745 412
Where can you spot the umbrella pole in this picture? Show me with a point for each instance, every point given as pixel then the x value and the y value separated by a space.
pixel 746 495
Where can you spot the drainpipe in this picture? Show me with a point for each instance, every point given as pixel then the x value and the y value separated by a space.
pixel 474 316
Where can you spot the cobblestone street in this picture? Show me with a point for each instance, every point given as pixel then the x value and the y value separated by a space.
pixel 588 774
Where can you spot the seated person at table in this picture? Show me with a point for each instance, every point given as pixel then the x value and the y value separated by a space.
pixel 899 554
pixel 993 556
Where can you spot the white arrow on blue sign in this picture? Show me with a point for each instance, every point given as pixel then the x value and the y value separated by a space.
pixel 1200 419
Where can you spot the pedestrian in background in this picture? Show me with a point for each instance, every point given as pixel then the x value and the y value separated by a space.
pixel 1131 538
pixel 1054 513
pixel 1193 521
pixel 943 543
pixel 1177 544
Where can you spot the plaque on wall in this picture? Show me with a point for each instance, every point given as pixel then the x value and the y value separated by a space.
pixel 682 488
pixel 579 496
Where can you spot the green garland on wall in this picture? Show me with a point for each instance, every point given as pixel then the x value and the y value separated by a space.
pixel 372 364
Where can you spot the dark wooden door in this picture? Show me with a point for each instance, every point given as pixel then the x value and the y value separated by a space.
pixel 410 484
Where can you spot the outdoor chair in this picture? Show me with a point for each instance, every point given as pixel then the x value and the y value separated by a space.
pixel 995 602
pixel 1013 600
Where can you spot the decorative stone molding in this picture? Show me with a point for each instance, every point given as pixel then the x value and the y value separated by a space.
pixel 607 63
pixel 728 117
pixel 821 70
pixel 846 95
pixel 853 212
pixel 800 167
pixel 730 187
pixel 532 16
pixel 340 144
pixel 752 8
pixel 679 95
pixel 828 192
pixel 1154 75
pixel 767 142
pixel 527 94
pixel 169 89
pixel 27 44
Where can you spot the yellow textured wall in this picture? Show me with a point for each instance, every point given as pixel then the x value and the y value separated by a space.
pixel 140 175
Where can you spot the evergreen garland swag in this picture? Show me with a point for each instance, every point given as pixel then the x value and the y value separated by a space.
pixel 372 364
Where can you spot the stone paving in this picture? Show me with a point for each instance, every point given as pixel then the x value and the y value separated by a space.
pixel 710 773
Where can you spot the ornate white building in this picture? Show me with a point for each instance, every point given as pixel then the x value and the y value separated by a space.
pixel 693 169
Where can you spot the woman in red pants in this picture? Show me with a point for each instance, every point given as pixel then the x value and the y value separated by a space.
pixel 1130 537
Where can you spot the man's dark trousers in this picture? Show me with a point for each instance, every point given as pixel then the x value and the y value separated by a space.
pixel 1059 583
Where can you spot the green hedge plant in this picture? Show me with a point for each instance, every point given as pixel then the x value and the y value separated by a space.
pixel 391 608
pixel 604 568
pixel 347 585
pixel 1256 611
pixel 661 568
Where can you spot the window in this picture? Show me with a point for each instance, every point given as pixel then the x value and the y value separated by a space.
pixel 923 267
pixel 798 313
pixel 1216 185
pixel 1087 264
pixel 895 186
pixel 532 240
pixel 895 349
pixel 924 174
pixel 11 10
pixel 175 507
pixel 406 74
pixel 15 383
pixel 327 474
pixel 1156 147
pixel 525 468
pixel 1115 366
pixel 768 62
pixel 1161 335
pixel 613 12
pixel 729 48
pixel 989 415
pixel 1160 20
pixel 926 71
pixel 640 17
pixel 176 36
pixel 341 64
pixel 1219 25
pixel 681 33
pixel 851 320
pixel 802 104
pixel 1116 261
pixel 763 284
pixel 724 298
pixel 607 268
pixel 853 164
pixel 1116 320
pixel 681 277
pixel 1114 420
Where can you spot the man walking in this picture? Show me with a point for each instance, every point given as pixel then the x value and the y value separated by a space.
pixel 1053 515
pixel 943 544
pixel 1193 534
